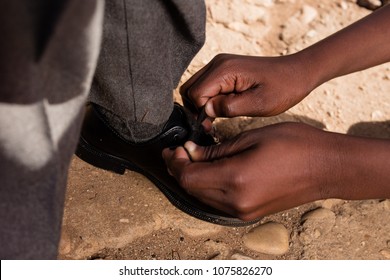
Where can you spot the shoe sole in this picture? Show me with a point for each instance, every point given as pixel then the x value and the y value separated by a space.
pixel 93 156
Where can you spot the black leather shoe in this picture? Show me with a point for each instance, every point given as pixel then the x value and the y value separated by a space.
pixel 102 147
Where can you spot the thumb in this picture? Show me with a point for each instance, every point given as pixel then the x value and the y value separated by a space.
pixel 215 152
pixel 246 103
pixel 176 160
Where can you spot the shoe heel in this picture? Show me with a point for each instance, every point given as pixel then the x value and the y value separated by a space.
pixel 98 159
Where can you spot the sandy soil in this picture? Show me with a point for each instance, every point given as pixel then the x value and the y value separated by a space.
pixel 108 216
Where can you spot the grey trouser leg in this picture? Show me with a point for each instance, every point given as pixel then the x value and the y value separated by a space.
pixel 48 53
pixel 147 45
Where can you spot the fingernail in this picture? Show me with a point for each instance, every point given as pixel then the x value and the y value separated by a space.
pixel 209 108
pixel 166 152
pixel 190 146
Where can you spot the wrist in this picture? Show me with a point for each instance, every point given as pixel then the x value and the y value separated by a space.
pixel 354 168
pixel 311 69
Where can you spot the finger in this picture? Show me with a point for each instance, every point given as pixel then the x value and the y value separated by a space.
pixel 184 89
pixel 212 82
pixel 247 103
pixel 228 148
pixel 214 183
pixel 189 174
pixel 206 191
pixel 208 124
pixel 178 154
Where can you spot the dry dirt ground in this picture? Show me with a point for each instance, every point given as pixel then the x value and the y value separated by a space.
pixel 108 216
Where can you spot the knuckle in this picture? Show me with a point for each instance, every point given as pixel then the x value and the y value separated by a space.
pixel 241 204
pixel 238 180
pixel 243 208
pixel 246 216
pixel 228 110
pixel 225 61
pixel 220 57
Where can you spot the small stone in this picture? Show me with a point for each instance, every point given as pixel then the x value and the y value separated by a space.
pixel 316 223
pixel 238 256
pixel 331 202
pixel 269 238
pixel 311 33
pixel 196 228
pixel 296 26
pixel 218 250
pixel 292 30
pixel 308 14
pixel 377 115
pixel 216 256
pixel 319 214
pixel 385 253
pixel 125 221
pixel 266 3
pixel 317 233
pixel 65 244
pixel 257 30
pixel 254 14
pixel 386 204
pixel 343 5
pixel 239 27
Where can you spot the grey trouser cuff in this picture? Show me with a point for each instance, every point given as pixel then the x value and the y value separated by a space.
pixel 147 45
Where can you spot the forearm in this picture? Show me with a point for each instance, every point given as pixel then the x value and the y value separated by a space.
pixel 361 168
pixel 364 44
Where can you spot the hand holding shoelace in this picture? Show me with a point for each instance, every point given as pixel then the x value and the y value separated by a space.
pixel 281 166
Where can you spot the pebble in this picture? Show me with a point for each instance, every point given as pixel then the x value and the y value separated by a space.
pixel 195 228
pixel 316 223
pixel 331 202
pixel 319 214
pixel 238 256
pixel 297 25
pixel 254 14
pixel 65 244
pixel 386 204
pixel 292 30
pixel 311 33
pixel 344 5
pixel 225 13
pixel 240 27
pixel 217 250
pixel 377 115
pixel 385 253
pixel 264 3
pixel 269 238
pixel 308 14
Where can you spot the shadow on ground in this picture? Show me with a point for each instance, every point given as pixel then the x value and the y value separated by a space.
pixel 371 129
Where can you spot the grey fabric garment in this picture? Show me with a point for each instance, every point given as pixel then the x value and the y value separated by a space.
pixel 48 53
pixel 147 45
